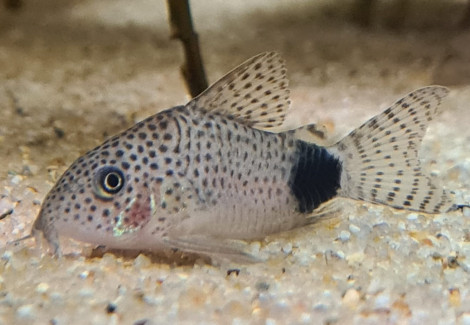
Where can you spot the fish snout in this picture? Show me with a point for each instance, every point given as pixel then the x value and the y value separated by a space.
pixel 44 228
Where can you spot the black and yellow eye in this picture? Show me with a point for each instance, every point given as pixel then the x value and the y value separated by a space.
pixel 112 181
pixel 108 181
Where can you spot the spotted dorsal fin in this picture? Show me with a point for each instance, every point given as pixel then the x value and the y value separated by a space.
pixel 255 93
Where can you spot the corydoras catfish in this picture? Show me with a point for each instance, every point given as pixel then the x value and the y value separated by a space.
pixel 203 176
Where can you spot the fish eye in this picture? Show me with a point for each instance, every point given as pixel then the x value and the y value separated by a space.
pixel 108 181
pixel 112 182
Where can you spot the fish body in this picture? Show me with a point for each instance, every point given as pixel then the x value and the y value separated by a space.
pixel 199 176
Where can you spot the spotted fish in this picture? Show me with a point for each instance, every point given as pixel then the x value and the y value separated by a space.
pixel 204 176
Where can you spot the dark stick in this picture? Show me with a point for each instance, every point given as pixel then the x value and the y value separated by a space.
pixel 13 4
pixel 362 12
pixel 182 28
pixel 465 22
pixel 397 14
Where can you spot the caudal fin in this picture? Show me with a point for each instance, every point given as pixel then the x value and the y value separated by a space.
pixel 380 158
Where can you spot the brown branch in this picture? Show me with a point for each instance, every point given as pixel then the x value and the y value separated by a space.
pixel 465 22
pixel 12 4
pixel 362 12
pixel 182 28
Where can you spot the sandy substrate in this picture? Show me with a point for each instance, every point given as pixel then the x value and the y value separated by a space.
pixel 72 73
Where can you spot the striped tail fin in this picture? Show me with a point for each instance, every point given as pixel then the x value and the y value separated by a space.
pixel 380 158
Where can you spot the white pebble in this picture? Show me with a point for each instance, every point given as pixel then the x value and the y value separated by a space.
pixel 351 298
pixel 320 307
pixel 382 302
pixel 42 287
pixel 356 258
pixel 18 228
pixel 270 321
pixel 254 248
pixel 122 290
pixel 466 212
pixel 465 319
pixel 152 300
pixel 6 205
pixel 84 274
pixel 56 296
pixel 25 311
pixel 306 318
pixel 113 320
pixel 33 169
pixel 98 319
pixel 287 248
pixel 344 235
pixel 7 255
pixel 412 216
pixel 16 179
pixel 142 261
pixel 354 229
pixel 303 259
pixel 86 292
pixel 401 226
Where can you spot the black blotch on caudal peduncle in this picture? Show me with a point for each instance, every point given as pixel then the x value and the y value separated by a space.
pixel 315 176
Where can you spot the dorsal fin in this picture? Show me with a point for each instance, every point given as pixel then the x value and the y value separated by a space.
pixel 255 93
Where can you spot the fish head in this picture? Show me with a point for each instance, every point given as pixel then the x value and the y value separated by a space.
pixel 133 189
pixel 105 197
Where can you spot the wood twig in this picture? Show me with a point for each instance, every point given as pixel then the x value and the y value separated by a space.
pixel 465 22
pixel 362 12
pixel 182 28
pixel 12 4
